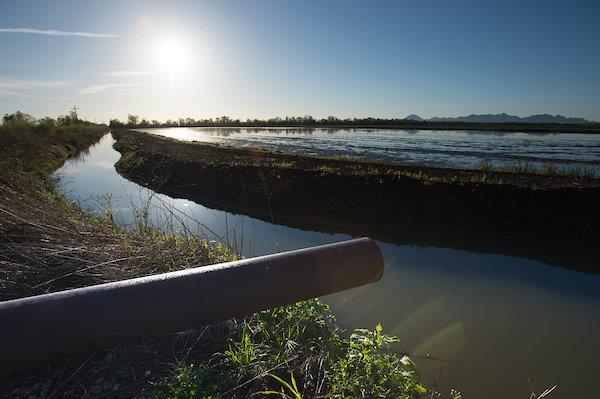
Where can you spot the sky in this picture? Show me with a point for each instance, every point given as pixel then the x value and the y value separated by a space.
pixel 260 59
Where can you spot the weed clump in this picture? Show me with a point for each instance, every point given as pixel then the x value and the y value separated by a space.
pixel 298 351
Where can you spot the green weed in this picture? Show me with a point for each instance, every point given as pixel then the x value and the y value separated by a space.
pixel 187 382
pixel 368 370
pixel 243 353
pixel 304 341
pixel 292 387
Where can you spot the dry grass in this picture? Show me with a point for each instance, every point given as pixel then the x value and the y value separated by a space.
pixel 48 244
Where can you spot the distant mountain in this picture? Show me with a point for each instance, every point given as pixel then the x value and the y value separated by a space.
pixel 502 118
pixel 545 118
pixel 414 117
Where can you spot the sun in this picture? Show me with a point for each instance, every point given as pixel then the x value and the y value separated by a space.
pixel 171 53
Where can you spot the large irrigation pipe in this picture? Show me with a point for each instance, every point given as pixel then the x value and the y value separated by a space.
pixel 37 329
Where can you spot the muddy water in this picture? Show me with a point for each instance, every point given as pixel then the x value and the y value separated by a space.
pixel 485 323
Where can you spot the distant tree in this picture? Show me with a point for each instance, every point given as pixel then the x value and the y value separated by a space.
pixel 115 124
pixel 18 117
pixel 224 120
pixel 132 120
pixel 65 120
pixel 47 122
pixel 306 120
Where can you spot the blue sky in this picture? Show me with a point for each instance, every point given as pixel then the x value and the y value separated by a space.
pixel 162 59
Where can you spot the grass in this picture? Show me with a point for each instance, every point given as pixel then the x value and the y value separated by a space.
pixel 49 244
pixel 545 169
pixel 292 387
pixel 137 149
pixel 298 351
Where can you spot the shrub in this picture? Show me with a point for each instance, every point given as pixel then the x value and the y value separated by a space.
pixel 368 370
pixel 302 341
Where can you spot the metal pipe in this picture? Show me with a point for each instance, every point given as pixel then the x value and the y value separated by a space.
pixel 37 329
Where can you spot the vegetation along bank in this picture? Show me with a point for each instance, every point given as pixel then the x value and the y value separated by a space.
pixel 546 215
pixel 48 244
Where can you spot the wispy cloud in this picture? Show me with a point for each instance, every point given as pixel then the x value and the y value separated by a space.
pixel 123 74
pixel 93 89
pixel 52 32
pixel 48 89
pixel 28 88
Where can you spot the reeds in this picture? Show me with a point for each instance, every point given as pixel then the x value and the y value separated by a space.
pixel 544 168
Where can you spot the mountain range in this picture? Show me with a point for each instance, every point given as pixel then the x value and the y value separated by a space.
pixel 501 118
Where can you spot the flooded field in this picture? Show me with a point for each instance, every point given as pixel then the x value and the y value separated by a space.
pixel 488 324
pixel 445 148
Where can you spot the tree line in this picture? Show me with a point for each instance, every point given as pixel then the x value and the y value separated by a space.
pixel 19 118
pixel 134 121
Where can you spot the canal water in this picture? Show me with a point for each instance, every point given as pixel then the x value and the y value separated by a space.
pixel 489 325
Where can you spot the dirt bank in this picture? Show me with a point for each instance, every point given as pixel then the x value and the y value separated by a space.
pixel 550 218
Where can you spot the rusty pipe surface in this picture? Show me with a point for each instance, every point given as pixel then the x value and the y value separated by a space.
pixel 41 328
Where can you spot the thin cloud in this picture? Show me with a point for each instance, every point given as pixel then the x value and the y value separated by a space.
pixel 28 88
pixel 93 89
pixel 52 32
pixel 123 74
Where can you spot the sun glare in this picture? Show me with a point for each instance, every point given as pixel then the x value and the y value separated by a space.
pixel 171 54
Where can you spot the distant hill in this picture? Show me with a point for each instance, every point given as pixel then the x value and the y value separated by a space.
pixel 413 117
pixel 502 118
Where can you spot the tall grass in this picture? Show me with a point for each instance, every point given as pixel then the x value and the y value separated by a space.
pixel 545 168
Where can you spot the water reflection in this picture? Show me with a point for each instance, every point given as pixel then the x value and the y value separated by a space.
pixel 488 322
pixel 452 148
